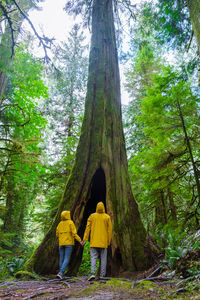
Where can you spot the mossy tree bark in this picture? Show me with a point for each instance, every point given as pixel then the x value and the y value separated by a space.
pixel 100 172
pixel 194 9
pixel 160 210
pixel 172 206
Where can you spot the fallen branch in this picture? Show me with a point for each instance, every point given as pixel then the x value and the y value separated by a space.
pixel 150 279
pixel 181 290
pixel 156 279
pixel 37 294
pixel 156 272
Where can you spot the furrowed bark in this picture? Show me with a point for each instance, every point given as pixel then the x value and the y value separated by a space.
pixel 194 10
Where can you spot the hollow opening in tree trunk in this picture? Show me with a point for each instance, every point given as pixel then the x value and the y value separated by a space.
pixel 96 193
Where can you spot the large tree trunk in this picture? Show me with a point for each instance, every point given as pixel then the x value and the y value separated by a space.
pixel 100 172
pixel 194 9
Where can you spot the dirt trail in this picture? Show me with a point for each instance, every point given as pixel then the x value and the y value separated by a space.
pixel 78 288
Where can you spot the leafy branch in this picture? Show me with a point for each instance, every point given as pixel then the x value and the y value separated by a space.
pixel 43 40
pixel 5 12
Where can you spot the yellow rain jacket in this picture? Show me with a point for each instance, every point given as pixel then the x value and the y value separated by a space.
pixel 66 230
pixel 99 227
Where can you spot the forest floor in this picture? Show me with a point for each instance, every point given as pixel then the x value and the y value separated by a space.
pixel 78 288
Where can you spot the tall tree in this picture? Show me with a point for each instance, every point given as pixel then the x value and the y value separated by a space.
pixel 67 85
pixel 167 164
pixel 173 23
pixel 21 124
pixel 100 171
pixel 145 61
pixel 178 20
pixel 12 14
pixel 194 9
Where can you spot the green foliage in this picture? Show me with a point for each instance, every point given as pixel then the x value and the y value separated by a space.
pixel 82 7
pixel 173 23
pixel 14 264
pixel 173 255
pixel 194 271
pixel 168 235
pixel 145 61
pixel 170 239
pixel 25 275
pixel 85 264
pixel 192 241
pixel 6 243
pixel 67 92
pixel 21 132
pixel 176 244
pixel 168 112
pixel 25 87
pixel 9 266
pixel 13 261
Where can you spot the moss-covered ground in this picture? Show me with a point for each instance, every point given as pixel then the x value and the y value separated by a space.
pixel 124 289
pixel 113 288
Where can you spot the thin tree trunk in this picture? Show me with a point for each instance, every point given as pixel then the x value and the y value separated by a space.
pixel 195 170
pixel 3 80
pixel 5 59
pixel 13 221
pixel 160 215
pixel 100 172
pixel 8 224
pixel 70 118
pixel 172 206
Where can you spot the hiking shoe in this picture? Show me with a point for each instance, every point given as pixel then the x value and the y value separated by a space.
pixel 59 275
pixel 91 277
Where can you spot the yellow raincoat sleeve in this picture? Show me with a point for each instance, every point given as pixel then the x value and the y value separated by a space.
pixel 109 231
pixel 87 229
pixel 57 232
pixel 74 232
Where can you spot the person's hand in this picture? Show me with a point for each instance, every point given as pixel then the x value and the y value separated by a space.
pixel 83 243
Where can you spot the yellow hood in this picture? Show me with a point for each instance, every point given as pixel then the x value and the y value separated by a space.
pixel 65 215
pixel 99 228
pixel 100 208
pixel 66 230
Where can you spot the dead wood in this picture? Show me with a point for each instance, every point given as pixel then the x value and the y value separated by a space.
pixel 157 271
pixel 158 278
pixel 37 294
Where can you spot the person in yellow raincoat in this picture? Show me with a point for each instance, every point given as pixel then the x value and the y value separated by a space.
pixel 99 227
pixel 66 233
